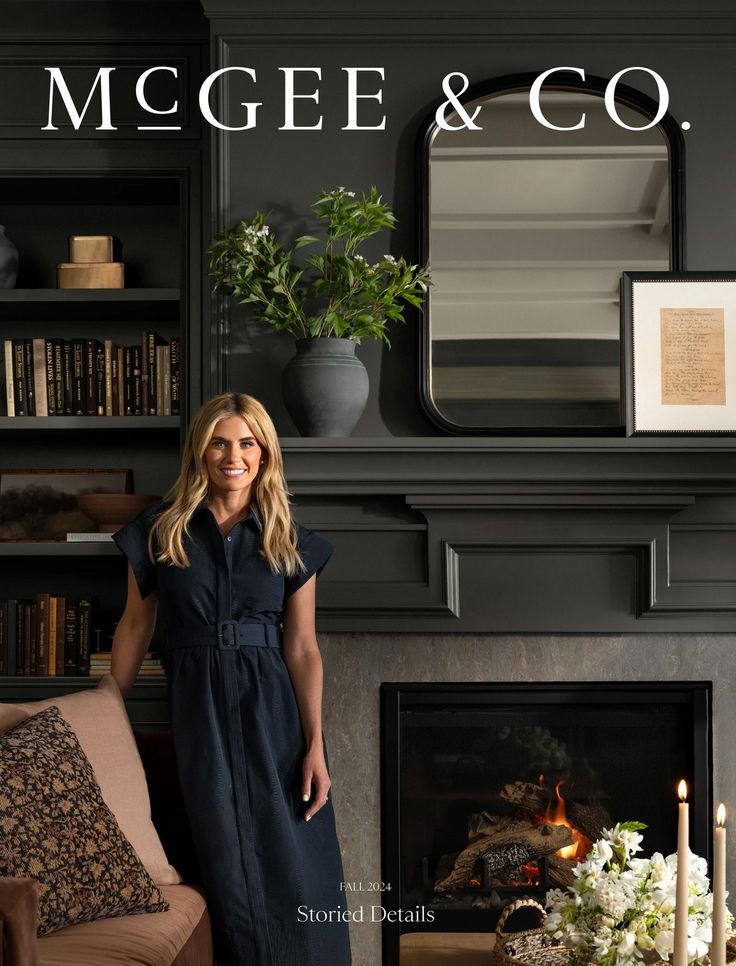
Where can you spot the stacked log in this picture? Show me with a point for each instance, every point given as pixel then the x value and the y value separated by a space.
pixel 505 842
pixel 501 843
pixel 590 818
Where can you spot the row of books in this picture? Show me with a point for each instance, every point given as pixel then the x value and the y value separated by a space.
pixel 101 663
pixel 90 377
pixel 47 635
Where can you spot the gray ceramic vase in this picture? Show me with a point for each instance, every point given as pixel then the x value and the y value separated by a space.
pixel 325 387
pixel 8 261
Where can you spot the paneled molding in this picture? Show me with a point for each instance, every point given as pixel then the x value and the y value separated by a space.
pixel 500 537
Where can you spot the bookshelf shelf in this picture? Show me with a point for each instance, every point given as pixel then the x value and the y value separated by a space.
pixel 15 295
pixel 59 549
pixel 95 423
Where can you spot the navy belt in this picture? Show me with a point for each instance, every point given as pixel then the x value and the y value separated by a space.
pixel 226 635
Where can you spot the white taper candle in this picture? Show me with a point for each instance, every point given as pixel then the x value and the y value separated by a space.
pixel 718 943
pixel 683 876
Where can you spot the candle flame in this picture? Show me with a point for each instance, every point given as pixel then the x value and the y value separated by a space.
pixel 682 790
pixel 721 814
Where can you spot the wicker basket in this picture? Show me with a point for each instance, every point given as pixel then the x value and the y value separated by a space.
pixel 534 947
pixel 530 947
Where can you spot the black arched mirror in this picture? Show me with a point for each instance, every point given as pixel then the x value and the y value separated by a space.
pixel 527 231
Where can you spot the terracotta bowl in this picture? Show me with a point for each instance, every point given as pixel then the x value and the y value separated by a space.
pixel 111 511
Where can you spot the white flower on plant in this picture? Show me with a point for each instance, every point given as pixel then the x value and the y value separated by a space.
pixel 698 941
pixel 626 944
pixel 664 942
pixel 612 900
pixel 603 850
pixel 390 259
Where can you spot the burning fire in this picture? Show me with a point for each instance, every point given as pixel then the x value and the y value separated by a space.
pixel 557 815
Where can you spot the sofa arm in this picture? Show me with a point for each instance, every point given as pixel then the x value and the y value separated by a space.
pixel 18 922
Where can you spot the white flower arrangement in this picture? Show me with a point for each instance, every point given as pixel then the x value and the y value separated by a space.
pixel 620 911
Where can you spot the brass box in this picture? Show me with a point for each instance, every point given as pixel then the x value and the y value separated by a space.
pixel 90 275
pixel 91 248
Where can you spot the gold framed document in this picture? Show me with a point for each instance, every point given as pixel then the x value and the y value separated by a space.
pixel 679 343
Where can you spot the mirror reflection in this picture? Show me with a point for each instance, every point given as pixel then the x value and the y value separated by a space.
pixel 529 231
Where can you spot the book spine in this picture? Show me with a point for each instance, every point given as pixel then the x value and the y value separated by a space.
pixel 145 375
pixel 42 635
pixel 108 377
pixel 152 375
pixel 127 408
pixel 90 376
pixel 100 380
pixel 175 376
pixel 9 394
pixel 85 635
pixel 160 380
pixel 50 391
pixel 79 381
pixel 19 378
pixel 12 637
pixel 166 378
pixel 60 635
pixel 19 652
pixel 51 662
pixel 59 374
pixel 67 387
pixel 29 632
pixel 39 377
pixel 119 370
pixel 28 373
pixel 137 380
pixel 71 633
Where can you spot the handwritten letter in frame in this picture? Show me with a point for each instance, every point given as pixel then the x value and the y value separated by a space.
pixel 679 339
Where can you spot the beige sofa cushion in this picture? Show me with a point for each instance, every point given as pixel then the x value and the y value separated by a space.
pixel 100 722
pixel 153 940
pixel 56 828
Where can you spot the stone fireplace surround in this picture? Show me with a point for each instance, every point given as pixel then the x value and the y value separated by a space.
pixel 356 665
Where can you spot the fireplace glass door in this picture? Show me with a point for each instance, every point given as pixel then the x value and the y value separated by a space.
pixel 492 792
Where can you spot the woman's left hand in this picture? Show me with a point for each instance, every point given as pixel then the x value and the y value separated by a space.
pixel 314 772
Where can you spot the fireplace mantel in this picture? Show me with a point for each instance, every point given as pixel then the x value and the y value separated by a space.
pixel 522 535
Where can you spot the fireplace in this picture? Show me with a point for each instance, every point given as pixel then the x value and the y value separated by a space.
pixel 494 791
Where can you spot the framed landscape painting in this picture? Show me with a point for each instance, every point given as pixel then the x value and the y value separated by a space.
pixel 41 505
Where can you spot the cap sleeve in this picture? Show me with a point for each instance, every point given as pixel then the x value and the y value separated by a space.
pixel 132 540
pixel 315 551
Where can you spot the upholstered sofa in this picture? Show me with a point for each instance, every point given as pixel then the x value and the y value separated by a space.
pixel 137 778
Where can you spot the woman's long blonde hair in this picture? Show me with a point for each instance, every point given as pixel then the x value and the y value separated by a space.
pixel 269 493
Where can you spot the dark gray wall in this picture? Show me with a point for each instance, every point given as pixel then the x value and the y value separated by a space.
pixel 418 44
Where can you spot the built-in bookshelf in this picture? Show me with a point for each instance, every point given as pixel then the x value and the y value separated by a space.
pixel 150 212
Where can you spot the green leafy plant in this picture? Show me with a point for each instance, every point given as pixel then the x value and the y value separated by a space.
pixel 337 292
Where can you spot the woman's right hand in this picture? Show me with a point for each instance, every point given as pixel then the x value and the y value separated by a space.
pixel 132 635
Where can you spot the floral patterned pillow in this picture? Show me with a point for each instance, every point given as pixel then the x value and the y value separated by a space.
pixel 56 828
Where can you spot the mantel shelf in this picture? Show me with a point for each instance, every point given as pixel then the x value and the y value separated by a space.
pixel 722 443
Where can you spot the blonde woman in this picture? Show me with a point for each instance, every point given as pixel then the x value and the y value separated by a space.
pixel 234 578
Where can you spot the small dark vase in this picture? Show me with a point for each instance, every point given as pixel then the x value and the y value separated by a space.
pixel 325 387
pixel 8 261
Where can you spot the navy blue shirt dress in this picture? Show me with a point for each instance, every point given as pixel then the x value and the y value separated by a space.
pixel 239 744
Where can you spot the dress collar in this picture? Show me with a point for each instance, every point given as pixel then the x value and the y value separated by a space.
pixel 253 517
